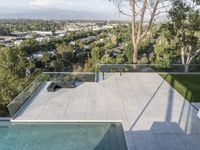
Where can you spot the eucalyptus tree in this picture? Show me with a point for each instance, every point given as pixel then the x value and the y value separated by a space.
pixel 143 14
pixel 183 29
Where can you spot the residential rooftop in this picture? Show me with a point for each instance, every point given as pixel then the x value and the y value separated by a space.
pixel 154 115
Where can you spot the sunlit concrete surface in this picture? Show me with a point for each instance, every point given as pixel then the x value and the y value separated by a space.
pixel 154 115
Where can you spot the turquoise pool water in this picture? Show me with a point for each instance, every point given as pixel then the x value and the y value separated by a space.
pixel 62 136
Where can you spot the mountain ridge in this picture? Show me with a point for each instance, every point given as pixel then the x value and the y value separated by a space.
pixel 60 15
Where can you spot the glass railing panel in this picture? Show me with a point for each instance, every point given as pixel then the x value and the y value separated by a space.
pixel 71 76
pixel 22 98
pixel 25 95
pixel 176 68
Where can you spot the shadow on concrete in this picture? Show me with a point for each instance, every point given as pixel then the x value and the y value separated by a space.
pixel 146 106
pixel 77 84
pixel 168 114
pixel 188 115
pixel 106 75
pixel 188 120
pixel 162 136
pixel 113 139
pixel 183 134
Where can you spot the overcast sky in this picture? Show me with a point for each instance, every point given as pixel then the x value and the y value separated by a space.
pixel 78 5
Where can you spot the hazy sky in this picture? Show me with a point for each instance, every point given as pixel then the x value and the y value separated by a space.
pixel 79 5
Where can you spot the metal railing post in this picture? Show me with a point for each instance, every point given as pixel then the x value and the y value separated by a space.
pixel 97 76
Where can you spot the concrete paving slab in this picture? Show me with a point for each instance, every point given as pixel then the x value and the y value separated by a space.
pixel 155 116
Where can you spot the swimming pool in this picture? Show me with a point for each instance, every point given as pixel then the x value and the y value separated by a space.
pixel 62 136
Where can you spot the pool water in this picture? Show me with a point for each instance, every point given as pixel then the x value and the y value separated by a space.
pixel 62 136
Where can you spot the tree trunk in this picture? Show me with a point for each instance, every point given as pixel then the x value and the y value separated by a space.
pixel 135 54
pixel 182 56
pixel 134 34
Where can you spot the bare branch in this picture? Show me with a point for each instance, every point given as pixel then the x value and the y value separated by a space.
pixel 124 12
pixel 133 22
pixel 141 20
pixel 196 53
pixel 149 8
pixel 151 19
pixel 161 12
pixel 141 10
pixel 120 9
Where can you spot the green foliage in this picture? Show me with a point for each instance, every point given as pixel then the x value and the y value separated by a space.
pixel 45 58
pixel 13 79
pixel 144 59
pixel 108 45
pixel 39 64
pixel 114 41
pixel 90 66
pixel 178 39
pixel 129 52
pixel 181 31
pixel 120 59
pixel 78 68
pixel 96 54
pixel 31 25
pixel 80 44
pixel 12 60
pixel 62 48
pixel 164 51
pixel 57 65
pixel 108 60
pixel 4 31
pixel 66 53
pixel 67 78
pixel 30 46
pixel 144 45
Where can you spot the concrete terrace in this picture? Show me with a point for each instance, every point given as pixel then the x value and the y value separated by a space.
pixel 154 115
